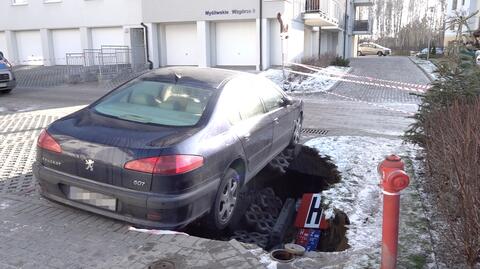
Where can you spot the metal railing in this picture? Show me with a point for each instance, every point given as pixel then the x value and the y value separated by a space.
pixel 328 8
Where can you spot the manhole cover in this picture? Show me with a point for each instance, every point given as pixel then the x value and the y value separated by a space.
pixel 314 131
pixel 162 265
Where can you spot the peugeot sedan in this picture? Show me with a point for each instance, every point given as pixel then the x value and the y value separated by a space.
pixel 169 147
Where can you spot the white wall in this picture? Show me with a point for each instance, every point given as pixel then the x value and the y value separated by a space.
pixel 69 14
pixel 3 44
pixel 181 44
pixel 275 43
pixel 295 42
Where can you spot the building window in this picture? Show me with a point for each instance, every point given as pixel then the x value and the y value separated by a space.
pixel 454 4
pixel 19 2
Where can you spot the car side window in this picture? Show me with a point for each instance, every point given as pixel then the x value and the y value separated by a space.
pixel 240 100
pixel 271 96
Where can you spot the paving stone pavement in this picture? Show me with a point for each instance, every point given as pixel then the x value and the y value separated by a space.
pixel 36 233
pixel 361 109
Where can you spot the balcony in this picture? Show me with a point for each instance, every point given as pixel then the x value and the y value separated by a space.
pixel 362 27
pixel 363 2
pixel 322 13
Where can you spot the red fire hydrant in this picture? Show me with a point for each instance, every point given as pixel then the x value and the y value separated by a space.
pixel 394 179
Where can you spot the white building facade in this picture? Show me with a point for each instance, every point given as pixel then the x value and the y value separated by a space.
pixel 181 32
pixel 465 8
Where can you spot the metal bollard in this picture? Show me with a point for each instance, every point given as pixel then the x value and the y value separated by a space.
pixel 394 179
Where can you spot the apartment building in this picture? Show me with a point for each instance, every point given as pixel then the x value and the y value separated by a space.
pixel 465 8
pixel 182 32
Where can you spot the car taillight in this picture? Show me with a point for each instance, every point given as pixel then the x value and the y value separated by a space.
pixel 46 141
pixel 166 165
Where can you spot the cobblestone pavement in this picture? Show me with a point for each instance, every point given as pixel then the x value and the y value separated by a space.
pixel 355 109
pixel 36 233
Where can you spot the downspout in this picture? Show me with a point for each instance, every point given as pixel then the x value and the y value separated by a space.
pixel 261 34
pixel 150 63
pixel 345 28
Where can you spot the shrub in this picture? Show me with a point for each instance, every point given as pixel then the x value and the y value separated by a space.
pixel 340 61
pixel 452 147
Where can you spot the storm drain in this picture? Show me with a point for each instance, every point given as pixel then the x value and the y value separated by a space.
pixel 162 265
pixel 314 131
pixel 18 136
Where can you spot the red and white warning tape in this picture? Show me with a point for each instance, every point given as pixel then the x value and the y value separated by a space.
pixel 371 81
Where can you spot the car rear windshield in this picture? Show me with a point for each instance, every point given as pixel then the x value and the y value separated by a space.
pixel 157 103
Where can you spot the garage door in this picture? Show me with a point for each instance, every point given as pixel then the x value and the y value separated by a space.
pixel 112 36
pixel 3 45
pixel 181 43
pixel 236 43
pixel 29 46
pixel 65 41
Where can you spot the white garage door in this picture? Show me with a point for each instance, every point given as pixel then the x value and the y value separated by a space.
pixel 109 36
pixel 65 41
pixel 29 46
pixel 236 43
pixel 181 43
pixel 3 45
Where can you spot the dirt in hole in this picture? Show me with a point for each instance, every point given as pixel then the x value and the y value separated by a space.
pixel 293 173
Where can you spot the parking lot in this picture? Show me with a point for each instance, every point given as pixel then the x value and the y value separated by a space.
pixel 36 233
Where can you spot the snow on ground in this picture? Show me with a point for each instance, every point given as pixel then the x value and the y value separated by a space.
pixel 359 196
pixel 427 66
pixel 324 80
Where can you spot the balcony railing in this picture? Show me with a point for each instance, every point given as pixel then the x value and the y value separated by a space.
pixel 326 8
pixel 361 26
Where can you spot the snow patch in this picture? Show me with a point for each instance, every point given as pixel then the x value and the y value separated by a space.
pixel 323 80
pixel 358 194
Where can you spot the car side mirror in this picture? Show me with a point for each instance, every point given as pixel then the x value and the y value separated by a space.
pixel 286 101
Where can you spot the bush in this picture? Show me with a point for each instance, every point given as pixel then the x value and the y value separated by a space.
pixel 452 147
pixel 340 61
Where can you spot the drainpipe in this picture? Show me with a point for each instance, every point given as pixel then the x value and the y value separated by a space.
pixel 261 34
pixel 345 28
pixel 150 63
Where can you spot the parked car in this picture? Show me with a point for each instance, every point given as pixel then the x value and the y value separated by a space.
pixel 423 53
pixel 370 48
pixel 7 78
pixel 169 147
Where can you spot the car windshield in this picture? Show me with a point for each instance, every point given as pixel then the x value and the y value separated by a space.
pixel 156 102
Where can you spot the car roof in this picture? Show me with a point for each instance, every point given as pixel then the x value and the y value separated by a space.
pixel 212 78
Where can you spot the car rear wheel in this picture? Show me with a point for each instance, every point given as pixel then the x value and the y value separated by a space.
pixel 380 53
pixel 359 53
pixel 225 204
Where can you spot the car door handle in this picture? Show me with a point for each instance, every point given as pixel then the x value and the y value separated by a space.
pixel 275 120
pixel 246 137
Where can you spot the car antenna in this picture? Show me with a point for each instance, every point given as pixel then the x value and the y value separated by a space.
pixel 177 77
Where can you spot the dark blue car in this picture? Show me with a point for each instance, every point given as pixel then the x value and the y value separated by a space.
pixel 7 78
pixel 169 147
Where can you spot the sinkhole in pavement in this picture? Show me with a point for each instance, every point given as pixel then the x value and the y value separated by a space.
pixel 268 204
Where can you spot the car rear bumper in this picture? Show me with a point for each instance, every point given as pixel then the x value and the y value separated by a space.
pixel 163 211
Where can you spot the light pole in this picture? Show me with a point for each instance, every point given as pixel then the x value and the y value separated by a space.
pixel 430 32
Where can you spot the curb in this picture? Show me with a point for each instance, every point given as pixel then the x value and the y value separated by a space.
pixel 428 75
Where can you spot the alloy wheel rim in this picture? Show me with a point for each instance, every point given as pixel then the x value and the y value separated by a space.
pixel 228 200
pixel 297 133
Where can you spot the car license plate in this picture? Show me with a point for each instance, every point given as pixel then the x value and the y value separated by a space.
pixel 92 198
pixel 3 85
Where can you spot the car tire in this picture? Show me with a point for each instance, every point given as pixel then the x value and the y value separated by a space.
pixel 6 91
pixel 359 53
pixel 225 204
pixel 297 131
pixel 380 53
